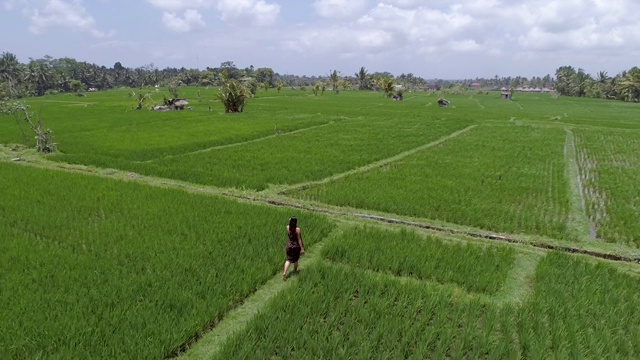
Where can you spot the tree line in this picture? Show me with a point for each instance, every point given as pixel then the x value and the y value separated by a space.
pixel 49 75
pixel 623 86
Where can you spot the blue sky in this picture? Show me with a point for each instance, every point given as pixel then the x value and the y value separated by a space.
pixel 452 39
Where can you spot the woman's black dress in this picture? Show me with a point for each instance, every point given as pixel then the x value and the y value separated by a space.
pixel 293 248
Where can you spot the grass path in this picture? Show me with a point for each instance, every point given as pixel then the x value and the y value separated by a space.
pixel 238 143
pixel 579 225
pixel 275 189
pixel 516 289
pixel 518 286
pixel 237 319
pixel 521 279
pixel 604 250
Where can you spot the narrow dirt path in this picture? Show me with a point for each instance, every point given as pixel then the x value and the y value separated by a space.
pixel 516 288
pixel 601 250
pixel 237 320
pixel 521 279
pixel 279 189
pixel 238 143
pixel 578 224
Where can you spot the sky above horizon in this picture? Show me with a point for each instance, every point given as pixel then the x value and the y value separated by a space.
pixel 456 39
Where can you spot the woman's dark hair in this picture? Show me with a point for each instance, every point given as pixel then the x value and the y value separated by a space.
pixel 293 223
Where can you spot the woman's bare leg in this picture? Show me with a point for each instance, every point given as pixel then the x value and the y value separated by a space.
pixel 286 268
pixel 295 266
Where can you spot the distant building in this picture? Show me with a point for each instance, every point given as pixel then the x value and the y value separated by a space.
pixel 505 93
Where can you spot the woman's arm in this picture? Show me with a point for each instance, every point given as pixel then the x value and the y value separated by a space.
pixel 300 240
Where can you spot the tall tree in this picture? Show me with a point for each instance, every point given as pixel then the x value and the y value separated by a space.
pixel 580 82
pixel 564 77
pixel 334 78
pixel 629 85
pixel 363 79
pixel 11 73
pixel 264 75
pixel 601 87
pixel 39 74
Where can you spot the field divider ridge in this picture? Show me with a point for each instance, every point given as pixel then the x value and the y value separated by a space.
pixel 578 223
pixel 520 281
pixel 504 238
pixel 459 291
pixel 37 161
pixel 236 144
pixel 236 320
pixel 380 163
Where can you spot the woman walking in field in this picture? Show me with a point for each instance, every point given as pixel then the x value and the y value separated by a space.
pixel 294 247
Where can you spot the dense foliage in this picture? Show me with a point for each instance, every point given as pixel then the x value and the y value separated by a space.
pixel 51 75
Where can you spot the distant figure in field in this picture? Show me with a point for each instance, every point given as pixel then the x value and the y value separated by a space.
pixel 294 248
pixel 443 103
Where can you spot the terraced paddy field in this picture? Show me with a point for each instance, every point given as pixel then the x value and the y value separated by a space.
pixel 490 229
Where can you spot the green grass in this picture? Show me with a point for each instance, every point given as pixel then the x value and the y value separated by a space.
pixel 580 310
pixel 339 313
pixel 610 171
pixel 501 178
pixel 101 268
pixel 110 269
pixel 577 309
pixel 475 269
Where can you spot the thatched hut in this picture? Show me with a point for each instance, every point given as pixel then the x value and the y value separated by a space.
pixel 505 93
pixel 177 104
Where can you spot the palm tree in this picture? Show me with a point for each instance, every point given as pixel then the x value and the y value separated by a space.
pixel 140 98
pixel 580 83
pixel 334 78
pixel 38 74
pixel 629 84
pixel 11 72
pixel 564 75
pixel 233 96
pixel 363 79
pixel 602 88
pixel 388 86
pixel 602 77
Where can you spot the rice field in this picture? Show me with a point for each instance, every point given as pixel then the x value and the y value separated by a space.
pixel 610 172
pixel 575 310
pixel 405 254
pixel 109 269
pixel 155 235
pixel 502 178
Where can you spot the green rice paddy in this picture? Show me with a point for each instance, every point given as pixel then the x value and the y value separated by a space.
pixel 154 235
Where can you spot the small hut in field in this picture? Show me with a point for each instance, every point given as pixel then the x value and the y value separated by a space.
pixel 177 104
pixel 505 94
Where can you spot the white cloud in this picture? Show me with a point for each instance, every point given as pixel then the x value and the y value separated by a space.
pixel 489 27
pixel 191 21
pixel 47 14
pixel 248 12
pixel 471 37
pixel 12 4
pixel 340 9
pixel 177 5
pixel 238 12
